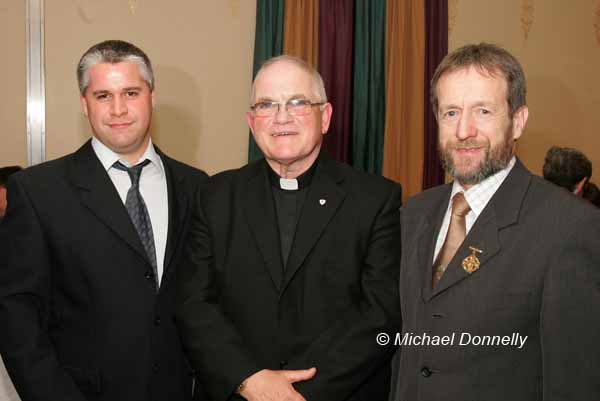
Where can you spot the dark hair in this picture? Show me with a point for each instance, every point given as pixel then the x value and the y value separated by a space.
pixel 6 172
pixel 566 167
pixel 490 59
pixel 592 193
pixel 112 52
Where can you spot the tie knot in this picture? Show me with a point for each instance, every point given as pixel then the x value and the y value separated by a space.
pixel 134 172
pixel 460 206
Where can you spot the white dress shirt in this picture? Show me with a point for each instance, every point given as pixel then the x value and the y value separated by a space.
pixel 153 187
pixel 477 197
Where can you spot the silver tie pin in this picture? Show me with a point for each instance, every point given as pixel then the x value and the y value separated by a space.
pixel 322 202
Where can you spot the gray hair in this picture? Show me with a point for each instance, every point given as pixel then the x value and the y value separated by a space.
pixel 113 52
pixel 318 85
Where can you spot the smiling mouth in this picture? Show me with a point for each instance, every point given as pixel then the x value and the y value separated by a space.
pixel 467 149
pixel 277 134
pixel 119 125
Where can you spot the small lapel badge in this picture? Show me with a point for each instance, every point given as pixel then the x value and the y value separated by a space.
pixel 322 202
pixel 471 263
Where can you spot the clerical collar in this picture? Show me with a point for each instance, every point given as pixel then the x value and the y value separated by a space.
pixel 292 184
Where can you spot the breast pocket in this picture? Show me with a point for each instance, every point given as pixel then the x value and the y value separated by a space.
pixel 509 312
pixel 515 300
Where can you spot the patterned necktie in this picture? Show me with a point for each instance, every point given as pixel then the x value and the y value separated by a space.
pixel 454 238
pixel 138 212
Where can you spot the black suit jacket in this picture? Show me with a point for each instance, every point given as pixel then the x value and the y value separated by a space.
pixel 81 319
pixel 240 312
pixel 539 276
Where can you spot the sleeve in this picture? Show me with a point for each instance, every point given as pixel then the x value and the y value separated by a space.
pixel 570 326
pixel 215 348
pixel 347 353
pixel 25 304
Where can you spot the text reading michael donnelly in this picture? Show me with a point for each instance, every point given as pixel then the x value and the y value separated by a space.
pixel 461 339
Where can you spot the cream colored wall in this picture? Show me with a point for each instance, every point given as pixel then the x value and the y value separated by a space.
pixel 202 57
pixel 561 58
pixel 13 108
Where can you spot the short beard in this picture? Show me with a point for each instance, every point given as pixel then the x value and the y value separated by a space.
pixel 495 159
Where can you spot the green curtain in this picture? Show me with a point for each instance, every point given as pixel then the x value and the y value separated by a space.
pixel 268 42
pixel 368 105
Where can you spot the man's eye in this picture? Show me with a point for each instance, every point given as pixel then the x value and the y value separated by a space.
pixel 102 96
pixel 265 106
pixel 450 113
pixel 131 93
pixel 298 102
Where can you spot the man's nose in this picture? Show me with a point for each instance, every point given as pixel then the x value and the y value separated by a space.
pixel 282 116
pixel 466 127
pixel 118 106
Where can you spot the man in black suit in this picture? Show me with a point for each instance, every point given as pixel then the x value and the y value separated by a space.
pixel 292 260
pixel 90 242
pixel 500 269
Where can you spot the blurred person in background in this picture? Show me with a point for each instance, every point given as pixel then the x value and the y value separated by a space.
pixel 568 168
pixel 5 172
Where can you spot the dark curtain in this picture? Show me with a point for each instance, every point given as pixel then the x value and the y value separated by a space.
pixel 268 42
pixel 368 111
pixel 336 24
pixel 436 47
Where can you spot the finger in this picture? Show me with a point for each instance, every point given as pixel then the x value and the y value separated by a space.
pixel 299 375
pixel 295 396
pixel 299 398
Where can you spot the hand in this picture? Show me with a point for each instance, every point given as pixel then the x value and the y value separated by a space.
pixel 275 385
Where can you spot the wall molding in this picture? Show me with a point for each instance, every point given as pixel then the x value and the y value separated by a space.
pixel 36 95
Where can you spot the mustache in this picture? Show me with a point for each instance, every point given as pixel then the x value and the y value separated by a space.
pixel 467 144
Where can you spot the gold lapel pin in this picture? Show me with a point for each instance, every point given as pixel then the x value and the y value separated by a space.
pixel 322 202
pixel 471 263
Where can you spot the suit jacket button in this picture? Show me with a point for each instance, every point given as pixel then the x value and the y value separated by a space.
pixel 426 372
pixel 157 321
pixel 148 275
pixel 282 364
pixel 155 367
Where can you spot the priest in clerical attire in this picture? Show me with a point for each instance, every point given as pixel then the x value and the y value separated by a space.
pixel 291 268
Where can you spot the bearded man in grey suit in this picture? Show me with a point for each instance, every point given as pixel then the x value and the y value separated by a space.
pixel 500 270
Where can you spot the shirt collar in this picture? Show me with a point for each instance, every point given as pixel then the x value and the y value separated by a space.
pixel 304 179
pixel 108 157
pixel 480 194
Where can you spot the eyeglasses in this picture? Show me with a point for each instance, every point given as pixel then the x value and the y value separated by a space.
pixel 295 107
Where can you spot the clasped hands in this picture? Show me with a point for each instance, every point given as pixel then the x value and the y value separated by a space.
pixel 275 385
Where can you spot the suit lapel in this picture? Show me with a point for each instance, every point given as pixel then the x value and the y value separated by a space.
pixel 260 214
pixel 178 205
pixel 322 201
pixel 483 236
pixel 99 195
pixel 427 239
pixel 502 211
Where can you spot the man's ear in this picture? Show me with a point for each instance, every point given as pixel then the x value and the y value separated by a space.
pixel 84 107
pixel 326 117
pixel 250 120
pixel 580 186
pixel 519 121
